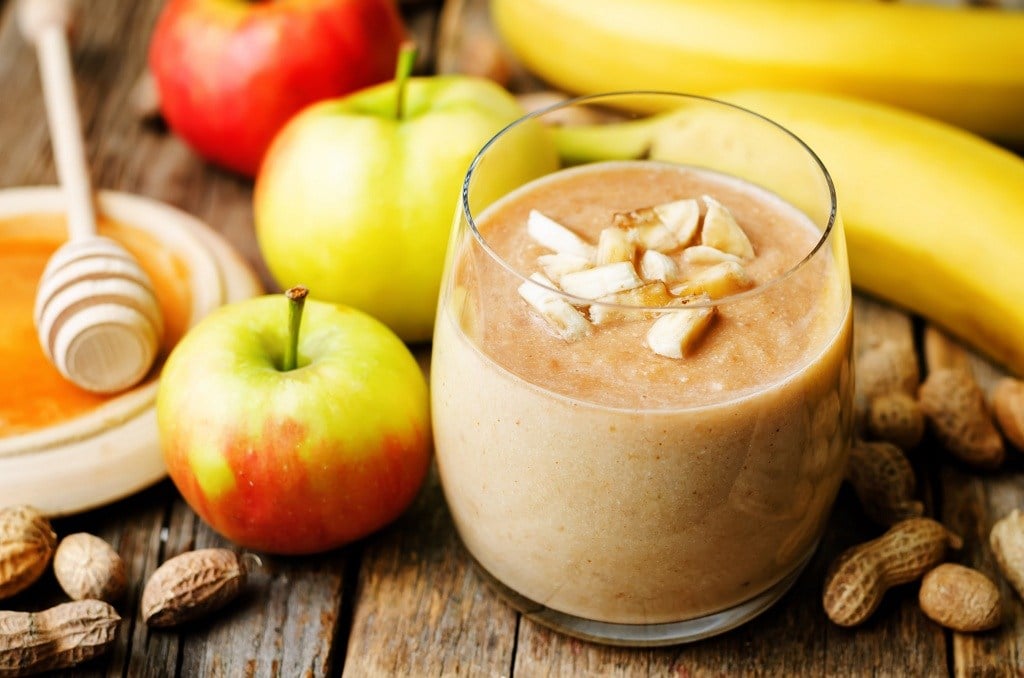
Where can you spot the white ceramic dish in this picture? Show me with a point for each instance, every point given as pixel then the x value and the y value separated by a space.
pixel 113 451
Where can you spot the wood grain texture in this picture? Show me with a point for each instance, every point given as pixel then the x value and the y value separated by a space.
pixel 420 610
pixel 406 601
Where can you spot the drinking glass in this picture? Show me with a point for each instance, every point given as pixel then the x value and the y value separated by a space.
pixel 605 490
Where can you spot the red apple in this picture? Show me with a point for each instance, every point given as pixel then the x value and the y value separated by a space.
pixel 294 442
pixel 230 73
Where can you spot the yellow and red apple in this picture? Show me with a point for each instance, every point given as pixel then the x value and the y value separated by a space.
pixel 289 441
pixel 230 73
pixel 356 196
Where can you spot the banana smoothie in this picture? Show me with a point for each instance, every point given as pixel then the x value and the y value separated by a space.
pixel 641 391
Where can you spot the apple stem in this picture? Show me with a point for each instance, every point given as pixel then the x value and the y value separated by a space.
pixel 296 302
pixel 406 60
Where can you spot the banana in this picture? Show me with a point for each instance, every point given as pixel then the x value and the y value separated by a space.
pixel 722 232
pixel 655 265
pixel 549 233
pixel 963 65
pixel 672 334
pixel 934 215
pixel 601 281
pixel 560 315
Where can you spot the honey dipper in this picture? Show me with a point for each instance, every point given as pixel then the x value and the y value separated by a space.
pixel 96 315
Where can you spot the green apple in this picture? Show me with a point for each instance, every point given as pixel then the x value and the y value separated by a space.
pixel 289 442
pixel 357 201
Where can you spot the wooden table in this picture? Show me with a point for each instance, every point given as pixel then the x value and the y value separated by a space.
pixel 405 601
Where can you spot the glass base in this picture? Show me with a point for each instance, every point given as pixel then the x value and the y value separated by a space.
pixel 646 635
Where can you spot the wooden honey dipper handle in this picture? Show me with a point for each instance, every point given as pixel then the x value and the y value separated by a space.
pixel 45 23
pixel 96 315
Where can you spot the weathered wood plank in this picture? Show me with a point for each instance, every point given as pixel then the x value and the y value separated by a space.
pixel 419 609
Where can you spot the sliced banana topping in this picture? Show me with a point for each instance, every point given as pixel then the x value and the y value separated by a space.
pixel 655 237
pixel 554 236
pixel 601 281
pixel 605 274
pixel 719 281
pixel 655 265
pixel 702 255
pixel 614 245
pixel 557 265
pixel 722 232
pixel 652 295
pixel 675 332
pixel 559 314
pixel 681 217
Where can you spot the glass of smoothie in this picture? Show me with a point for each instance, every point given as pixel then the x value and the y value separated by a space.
pixel 641 380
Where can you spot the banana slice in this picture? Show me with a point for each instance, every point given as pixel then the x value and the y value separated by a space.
pixel 681 217
pixel 654 294
pixel 655 265
pixel 645 228
pixel 614 245
pixel 719 281
pixel 601 281
pixel 674 333
pixel 554 236
pixel 557 265
pixel 559 314
pixel 655 237
pixel 722 232
pixel 702 255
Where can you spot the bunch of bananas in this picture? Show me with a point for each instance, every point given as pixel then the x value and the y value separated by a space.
pixel 934 215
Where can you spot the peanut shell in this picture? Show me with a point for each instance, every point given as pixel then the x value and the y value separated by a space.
pixel 960 598
pixel 884 482
pixel 88 567
pixel 26 545
pixel 896 418
pixel 862 574
pixel 955 405
pixel 1007 541
pixel 1008 407
pixel 56 638
pixel 192 585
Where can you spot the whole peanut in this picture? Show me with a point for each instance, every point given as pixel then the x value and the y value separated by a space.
pixel 955 405
pixel 1007 541
pixel 889 367
pixel 56 638
pixel 960 598
pixel 1008 407
pixel 88 567
pixel 884 482
pixel 192 585
pixel 896 418
pixel 887 383
pixel 26 545
pixel 863 573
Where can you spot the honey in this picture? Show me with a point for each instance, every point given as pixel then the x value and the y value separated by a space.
pixel 33 394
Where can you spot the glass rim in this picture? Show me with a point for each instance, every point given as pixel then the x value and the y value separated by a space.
pixel 756 291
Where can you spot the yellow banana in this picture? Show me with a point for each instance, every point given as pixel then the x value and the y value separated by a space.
pixel 962 65
pixel 934 215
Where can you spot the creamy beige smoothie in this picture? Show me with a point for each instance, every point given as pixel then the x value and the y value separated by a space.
pixel 603 480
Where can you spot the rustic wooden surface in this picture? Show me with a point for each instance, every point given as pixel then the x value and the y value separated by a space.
pixel 404 601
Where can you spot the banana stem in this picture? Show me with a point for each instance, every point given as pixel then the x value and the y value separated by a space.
pixel 296 302
pixel 406 60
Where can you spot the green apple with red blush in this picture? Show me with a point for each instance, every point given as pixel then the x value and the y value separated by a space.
pixel 293 426
pixel 357 195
